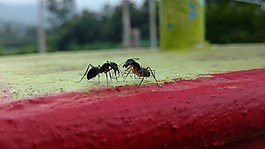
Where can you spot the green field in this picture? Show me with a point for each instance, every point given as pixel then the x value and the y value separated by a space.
pixel 34 75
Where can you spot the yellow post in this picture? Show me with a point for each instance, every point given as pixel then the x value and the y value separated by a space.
pixel 181 24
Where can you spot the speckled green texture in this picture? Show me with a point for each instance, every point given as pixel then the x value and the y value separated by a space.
pixel 181 24
pixel 35 75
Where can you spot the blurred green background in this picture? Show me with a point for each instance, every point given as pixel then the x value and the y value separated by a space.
pixel 68 30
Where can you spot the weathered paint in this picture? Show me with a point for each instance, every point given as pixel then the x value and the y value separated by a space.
pixel 181 24
pixel 205 112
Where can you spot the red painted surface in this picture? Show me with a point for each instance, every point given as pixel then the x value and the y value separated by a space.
pixel 253 143
pixel 206 112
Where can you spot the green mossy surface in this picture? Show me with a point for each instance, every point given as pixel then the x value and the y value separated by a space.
pixel 36 75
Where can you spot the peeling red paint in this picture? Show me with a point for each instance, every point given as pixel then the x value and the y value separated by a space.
pixel 206 112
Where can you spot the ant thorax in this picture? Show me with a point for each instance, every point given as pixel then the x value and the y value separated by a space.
pixel 135 71
pixel 105 68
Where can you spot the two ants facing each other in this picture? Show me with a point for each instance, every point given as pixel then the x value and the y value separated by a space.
pixel 131 66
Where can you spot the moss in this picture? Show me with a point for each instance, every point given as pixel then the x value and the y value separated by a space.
pixel 35 75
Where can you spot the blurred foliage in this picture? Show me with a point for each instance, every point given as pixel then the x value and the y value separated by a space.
pixel 60 11
pixel 90 29
pixel 226 22
pixel 17 40
pixel 234 22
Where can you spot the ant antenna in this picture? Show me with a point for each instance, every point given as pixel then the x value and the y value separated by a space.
pixel 121 64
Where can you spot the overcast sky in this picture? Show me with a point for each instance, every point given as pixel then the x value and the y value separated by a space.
pixel 81 4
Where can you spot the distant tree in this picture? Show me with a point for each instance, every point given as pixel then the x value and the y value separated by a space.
pixel 153 23
pixel 14 37
pixel 141 19
pixel 112 25
pixel 89 27
pixel 126 21
pixel 60 10
pixel 80 30
pixel 234 22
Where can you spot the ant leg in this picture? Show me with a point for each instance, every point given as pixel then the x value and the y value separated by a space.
pixel 115 74
pixel 153 75
pixel 116 77
pixel 120 72
pixel 107 78
pixel 127 74
pixel 110 75
pixel 99 78
pixel 141 81
pixel 85 73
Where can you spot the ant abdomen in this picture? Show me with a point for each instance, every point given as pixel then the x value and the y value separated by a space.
pixel 144 72
pixel 92 73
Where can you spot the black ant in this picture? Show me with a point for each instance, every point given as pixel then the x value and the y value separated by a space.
pixel 105 68
pixel 138 70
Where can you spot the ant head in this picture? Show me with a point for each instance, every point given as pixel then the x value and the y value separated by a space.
pixel 129 62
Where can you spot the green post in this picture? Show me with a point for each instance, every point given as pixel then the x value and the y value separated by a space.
pixel 181 24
